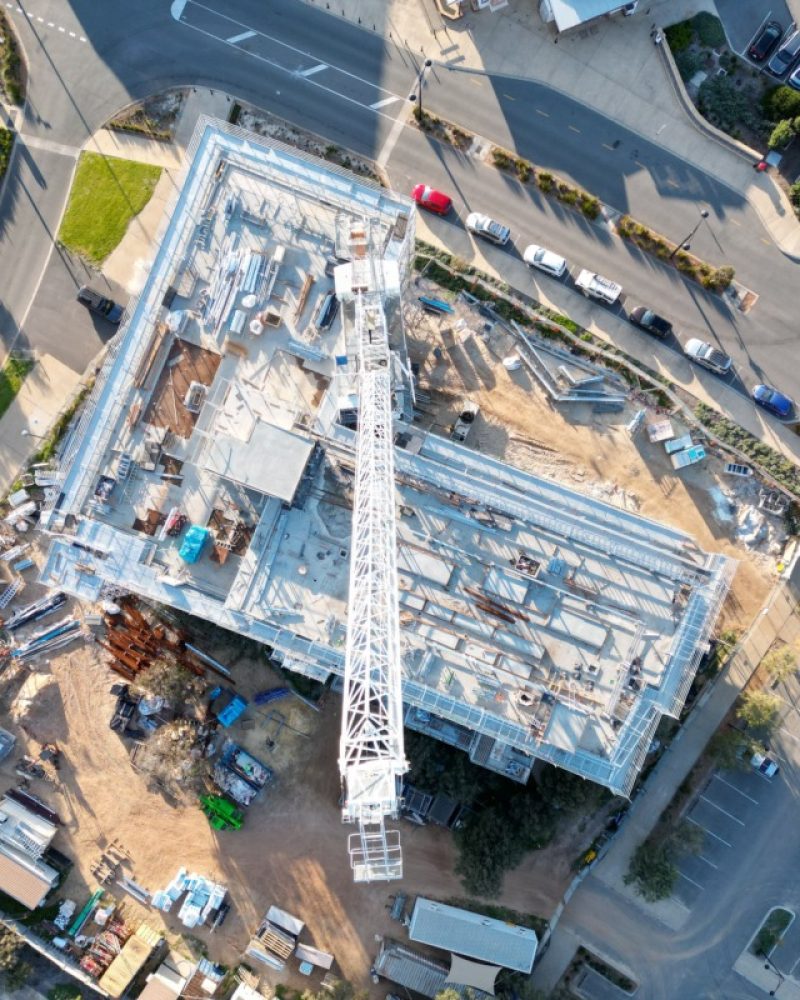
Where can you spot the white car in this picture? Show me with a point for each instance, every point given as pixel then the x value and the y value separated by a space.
pixel 764 765
pixel 595 286
pixel 708 356
pixel 545 260
pixel 488 228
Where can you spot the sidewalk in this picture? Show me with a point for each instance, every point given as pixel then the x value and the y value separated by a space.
pixel 43 396
pixel 611 66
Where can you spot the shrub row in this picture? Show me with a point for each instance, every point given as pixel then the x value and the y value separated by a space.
pixel 547 183
pixel 781 469
pixel 10 63
pixel 139 128
pixel 715 279
pixel 6 144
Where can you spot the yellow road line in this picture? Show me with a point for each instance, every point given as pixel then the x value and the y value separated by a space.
pixel 508 97
pixel 543 113
pixel 573 129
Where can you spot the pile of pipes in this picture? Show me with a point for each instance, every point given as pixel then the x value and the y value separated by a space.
pixel 49 639
pixel 33 612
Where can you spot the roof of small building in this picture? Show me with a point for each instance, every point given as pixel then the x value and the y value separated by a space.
pixel 25 880
pixel 414 971
pixel 473 934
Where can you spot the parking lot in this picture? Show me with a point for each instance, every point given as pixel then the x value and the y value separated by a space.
pixel 743 20
pixel 729 803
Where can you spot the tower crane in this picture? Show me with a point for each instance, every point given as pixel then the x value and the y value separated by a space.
pixel 371 754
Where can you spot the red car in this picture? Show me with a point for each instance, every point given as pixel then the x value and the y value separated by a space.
pixel 433 201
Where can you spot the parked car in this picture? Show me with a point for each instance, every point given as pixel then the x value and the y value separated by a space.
pixel 764 765
pixel 773 401
pixel 488 228
pixel 431 199
pixel 786 56
pixel 765 41
pixel 708 356
pixel 545 260
pixel 794 79
pixel 651 322
pixel 99 304
pixel 466 418
pixel 595 286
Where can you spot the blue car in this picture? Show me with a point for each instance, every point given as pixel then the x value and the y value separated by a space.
pixel 773 401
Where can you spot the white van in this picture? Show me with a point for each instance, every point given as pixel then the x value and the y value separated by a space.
pixel 595 286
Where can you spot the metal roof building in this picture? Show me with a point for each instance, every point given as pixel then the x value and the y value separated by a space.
pixel 417 972
pixel 473 935
pixel 537 622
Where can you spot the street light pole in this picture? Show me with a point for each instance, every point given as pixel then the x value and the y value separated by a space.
pixel 684 243
pixel 417 96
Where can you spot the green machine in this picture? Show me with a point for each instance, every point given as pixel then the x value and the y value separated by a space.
pixel 222 814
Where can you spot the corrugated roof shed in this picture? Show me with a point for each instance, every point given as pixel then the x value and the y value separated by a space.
pixel 416 972
pixel 25 880
pixel 473 934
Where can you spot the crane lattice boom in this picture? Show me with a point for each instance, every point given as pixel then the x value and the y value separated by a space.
pixel 371 755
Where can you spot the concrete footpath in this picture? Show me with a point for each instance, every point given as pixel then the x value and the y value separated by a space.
pixel 44 395
pixel 778 619
pixel 611 66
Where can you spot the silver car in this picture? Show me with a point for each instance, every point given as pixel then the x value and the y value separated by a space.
pixel 488 228
pixel 708 356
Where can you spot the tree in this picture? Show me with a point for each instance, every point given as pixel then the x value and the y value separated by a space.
pixel 568 792
pixel 729 747
pixel 686 838
pixel 652 871
pixel 448 994
pixel 781 662
pixel 781 135
pixel 758 710
pixel 171 681
pixel 10 945
pixel 781 102
pixel 64 991
pixel 18 976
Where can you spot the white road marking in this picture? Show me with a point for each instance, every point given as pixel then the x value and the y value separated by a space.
pixel 691 880
pixel 314 70
pixel 394 135
pixel 711 864
pixel 35 142
pixel 723 811
pixel 180 5
pixel 706 830
pixel 235 39
pixel 544 114
pixel 743 794
pixel 62 30
pixel 383 103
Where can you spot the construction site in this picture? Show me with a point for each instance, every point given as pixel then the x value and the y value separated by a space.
pixel 213 471
pixel 556 577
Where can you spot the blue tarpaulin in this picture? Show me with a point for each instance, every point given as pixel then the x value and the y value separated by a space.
pixel 193 542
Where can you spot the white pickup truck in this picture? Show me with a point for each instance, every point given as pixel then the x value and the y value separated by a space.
pixel 595 286
pixel 466 418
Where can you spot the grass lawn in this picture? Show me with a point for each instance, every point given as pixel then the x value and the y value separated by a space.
pixel 106 194
pixel 12 375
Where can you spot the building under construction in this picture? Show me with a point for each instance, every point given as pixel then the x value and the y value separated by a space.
pixel 212 470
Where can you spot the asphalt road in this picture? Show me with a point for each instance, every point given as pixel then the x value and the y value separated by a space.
pixel 347 84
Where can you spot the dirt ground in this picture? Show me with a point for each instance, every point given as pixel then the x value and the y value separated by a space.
pixel 591 453
pixel 292 850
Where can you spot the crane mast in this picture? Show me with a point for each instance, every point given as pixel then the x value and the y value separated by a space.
pixel 371 754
